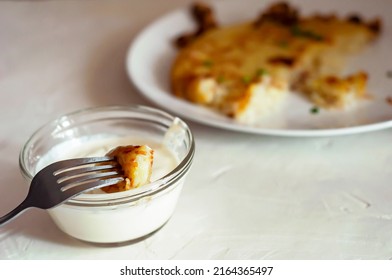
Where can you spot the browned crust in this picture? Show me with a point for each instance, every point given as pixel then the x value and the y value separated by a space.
pixel 205 20
pixel 280 13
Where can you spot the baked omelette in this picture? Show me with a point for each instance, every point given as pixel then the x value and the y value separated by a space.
pixel 246 70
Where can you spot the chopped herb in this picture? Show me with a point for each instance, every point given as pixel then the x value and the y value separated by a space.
pixel 207 63
pixel 314 110
pixel 246 79
pixel 389 73
pixel 261 72
pixel 221 79
pixel 283 44
pixel 299 32
pixel 258 73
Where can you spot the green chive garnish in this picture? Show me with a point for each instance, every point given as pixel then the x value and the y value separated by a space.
pixel 283 44
pixel 261 72
pixel 314 110
pixel 299 32
pixel 221 79
pixel 246 79
pixel 207 63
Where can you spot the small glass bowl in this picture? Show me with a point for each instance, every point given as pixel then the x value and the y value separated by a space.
pixel 113 218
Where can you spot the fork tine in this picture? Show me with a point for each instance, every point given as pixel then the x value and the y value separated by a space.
pixel 70 164
pixel 78 163
pixel 69 182
pixel 46 191
pixel 90 185
pixel 82 169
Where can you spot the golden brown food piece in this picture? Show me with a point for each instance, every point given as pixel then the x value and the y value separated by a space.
pixel 281 13
pixel 245 70
pixel 136 163
pixel 337 92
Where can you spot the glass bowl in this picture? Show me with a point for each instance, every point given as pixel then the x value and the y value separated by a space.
pixel 114 218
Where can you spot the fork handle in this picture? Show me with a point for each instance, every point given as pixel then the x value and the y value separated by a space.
pixel 19 209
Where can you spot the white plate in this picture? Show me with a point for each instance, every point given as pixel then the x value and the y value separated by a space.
pixel 152 53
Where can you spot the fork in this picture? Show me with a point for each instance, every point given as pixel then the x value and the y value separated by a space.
pixel 62 180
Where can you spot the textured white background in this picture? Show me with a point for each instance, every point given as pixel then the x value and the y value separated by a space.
pixel 246 197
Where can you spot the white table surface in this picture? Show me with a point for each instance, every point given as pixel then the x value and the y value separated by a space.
pixel 246 197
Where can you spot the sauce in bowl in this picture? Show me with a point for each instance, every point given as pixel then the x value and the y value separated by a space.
pixel 118 217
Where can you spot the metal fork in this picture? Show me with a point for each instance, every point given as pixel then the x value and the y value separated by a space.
pixel 65 179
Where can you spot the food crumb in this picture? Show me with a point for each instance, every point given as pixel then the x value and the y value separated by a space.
pixel 389 100
pixel 389 74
